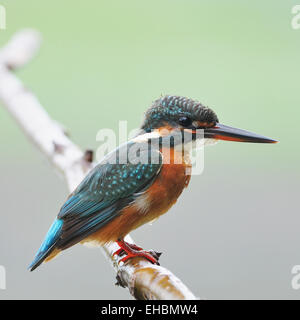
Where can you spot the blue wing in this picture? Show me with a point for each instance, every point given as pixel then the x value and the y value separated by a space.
pixel 48 244
pixel 100 197
pixel 106 190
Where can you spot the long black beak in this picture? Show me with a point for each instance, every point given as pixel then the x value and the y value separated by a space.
pixel 222 132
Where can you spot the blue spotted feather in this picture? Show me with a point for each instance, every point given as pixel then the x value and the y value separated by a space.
pixel 99 198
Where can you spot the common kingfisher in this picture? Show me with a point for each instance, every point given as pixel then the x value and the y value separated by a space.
pixel 117 197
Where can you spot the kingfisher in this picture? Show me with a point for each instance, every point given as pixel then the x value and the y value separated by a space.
pixel 139 181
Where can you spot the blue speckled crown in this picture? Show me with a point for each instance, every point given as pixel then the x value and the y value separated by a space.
pixel 170 108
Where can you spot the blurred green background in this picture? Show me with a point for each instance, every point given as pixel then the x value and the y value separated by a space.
pixel 234 232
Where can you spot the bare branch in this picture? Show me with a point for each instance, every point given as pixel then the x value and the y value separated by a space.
pixel 143 279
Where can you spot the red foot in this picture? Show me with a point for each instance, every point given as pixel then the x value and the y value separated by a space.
pixel 133 250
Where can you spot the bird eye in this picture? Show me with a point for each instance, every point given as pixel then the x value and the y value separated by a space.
pixel 184 121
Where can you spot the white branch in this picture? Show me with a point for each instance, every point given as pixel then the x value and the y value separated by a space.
pixel 144 280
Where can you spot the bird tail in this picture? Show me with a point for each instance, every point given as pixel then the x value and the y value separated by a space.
pixel 48 244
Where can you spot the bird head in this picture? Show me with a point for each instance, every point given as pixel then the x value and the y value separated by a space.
pixel 180 114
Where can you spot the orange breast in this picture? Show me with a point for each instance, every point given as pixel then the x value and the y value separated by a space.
pixel 173 178
pixel 162 194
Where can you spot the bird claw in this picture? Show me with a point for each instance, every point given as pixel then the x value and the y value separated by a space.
pixel 150 256
pixel 132 250
pixel 155 254
pixel 119 252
